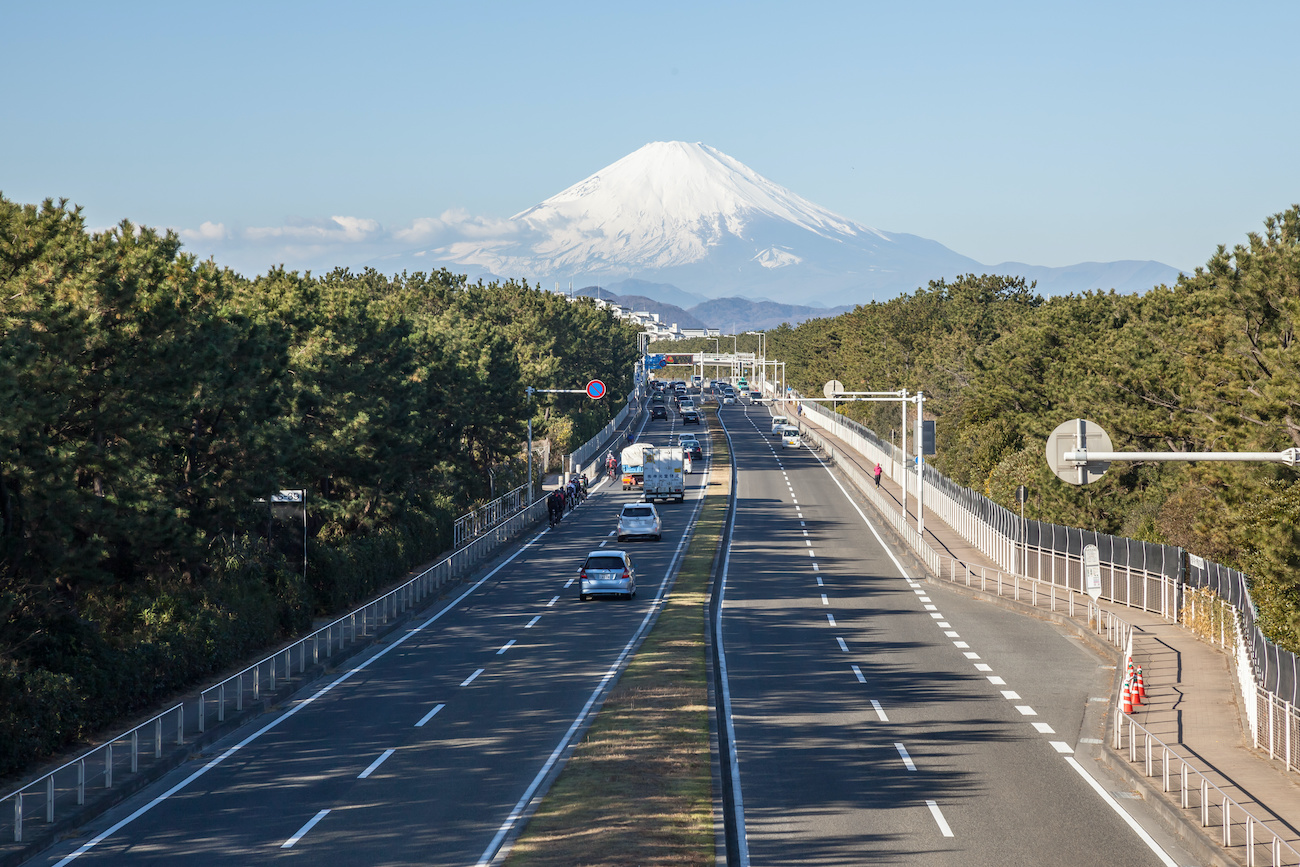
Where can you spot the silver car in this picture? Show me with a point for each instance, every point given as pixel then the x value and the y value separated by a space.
pixel 639 519
pixel 606 573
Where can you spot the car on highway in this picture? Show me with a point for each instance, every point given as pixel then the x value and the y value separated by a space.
pixel 778 422
pixel 790 438
pixel 690 416
pixel 639 519
pixel 686 403
pixel 692 447
pixel 606 573
pixel 658 410
pixel 728 398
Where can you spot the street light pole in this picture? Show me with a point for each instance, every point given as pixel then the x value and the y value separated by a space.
pixel 530 390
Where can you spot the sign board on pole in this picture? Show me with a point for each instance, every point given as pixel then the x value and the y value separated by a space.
pixel 595 389
pixel 927 436
pixel 832 388
pixel 1071 435
pixel 1092 571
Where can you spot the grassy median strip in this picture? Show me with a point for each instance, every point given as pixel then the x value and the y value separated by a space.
pixel 638 789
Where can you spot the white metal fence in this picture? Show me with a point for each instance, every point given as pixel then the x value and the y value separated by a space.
pixel 1236 826
pixel 489 515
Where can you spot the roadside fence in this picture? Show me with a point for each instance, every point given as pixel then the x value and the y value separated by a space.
pixel 489 515
pixel 1236 825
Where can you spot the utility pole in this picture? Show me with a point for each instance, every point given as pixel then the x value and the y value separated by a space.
pixel 529 390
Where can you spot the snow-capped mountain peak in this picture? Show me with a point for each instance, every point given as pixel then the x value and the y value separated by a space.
pixel 672 200
pixel 689 215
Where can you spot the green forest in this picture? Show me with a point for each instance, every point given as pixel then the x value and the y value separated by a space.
pixel 149 405
pixel 1208 364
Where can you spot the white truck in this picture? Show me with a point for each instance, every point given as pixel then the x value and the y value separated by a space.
pixel 664 474
pixel 633 459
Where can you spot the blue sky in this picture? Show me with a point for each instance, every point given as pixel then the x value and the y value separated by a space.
pixel 1044 133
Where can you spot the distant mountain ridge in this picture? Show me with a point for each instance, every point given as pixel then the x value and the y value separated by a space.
pixel 731 315
pixel 691 217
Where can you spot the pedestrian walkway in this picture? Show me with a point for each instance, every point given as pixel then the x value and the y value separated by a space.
pixel 1193 703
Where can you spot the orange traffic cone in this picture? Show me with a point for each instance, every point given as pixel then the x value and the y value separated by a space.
pixel 1126 698
pixel 1141 686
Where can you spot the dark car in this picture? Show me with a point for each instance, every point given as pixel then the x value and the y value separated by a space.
pixel 659 411
pixel 690 416
pixel 692 447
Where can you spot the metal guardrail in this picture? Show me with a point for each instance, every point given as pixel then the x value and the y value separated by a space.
pixel 65 788
pixel 488 515
pixel 1196 792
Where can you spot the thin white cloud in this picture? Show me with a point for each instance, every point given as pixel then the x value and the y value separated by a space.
pixel 320 244
pixel 335 229
pixel 208 231
pixel 452 225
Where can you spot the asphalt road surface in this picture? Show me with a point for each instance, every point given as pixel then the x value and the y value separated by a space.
pixel 426 750
pixel 879 719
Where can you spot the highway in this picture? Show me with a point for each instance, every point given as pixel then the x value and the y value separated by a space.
pixel 879 719
pixel 427 749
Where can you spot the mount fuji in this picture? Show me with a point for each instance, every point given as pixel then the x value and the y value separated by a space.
pixel 692 217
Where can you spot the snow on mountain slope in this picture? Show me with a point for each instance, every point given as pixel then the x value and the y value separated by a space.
pixel 689 215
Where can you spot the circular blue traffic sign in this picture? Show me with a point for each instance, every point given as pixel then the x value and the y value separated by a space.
pixel 595 389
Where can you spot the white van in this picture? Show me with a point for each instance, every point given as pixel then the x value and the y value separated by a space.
pixel 778 422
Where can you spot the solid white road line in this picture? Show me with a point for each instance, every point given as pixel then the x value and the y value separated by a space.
pixel 1129 820
pixel 430 715
pixel 467 681
pixel 907 760
pixel 494 852
pixel 298 835
pixel 880 711
pixel 376 763
pixel 862 515
pixel 938 818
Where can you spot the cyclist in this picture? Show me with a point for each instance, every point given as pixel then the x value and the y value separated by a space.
pixel 611 464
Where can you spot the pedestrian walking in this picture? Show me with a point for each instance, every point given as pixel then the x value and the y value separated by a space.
pixel 878 470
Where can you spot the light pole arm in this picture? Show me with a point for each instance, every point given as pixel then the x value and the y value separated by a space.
pixel 1290 457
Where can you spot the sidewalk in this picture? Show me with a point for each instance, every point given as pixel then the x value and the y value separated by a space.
pixel 1193 704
